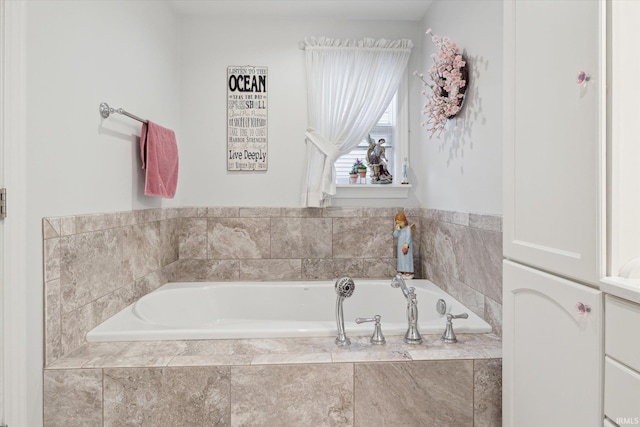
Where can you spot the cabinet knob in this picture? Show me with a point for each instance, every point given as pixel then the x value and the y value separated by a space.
pixel 582 308
pixel 582 78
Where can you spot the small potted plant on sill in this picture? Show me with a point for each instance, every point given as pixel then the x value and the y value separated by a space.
pixel 360 168
pixel 353 175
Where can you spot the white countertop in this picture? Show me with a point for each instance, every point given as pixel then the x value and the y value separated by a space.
pixel 628 289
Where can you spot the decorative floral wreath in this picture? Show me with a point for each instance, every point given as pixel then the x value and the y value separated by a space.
pixel 449 77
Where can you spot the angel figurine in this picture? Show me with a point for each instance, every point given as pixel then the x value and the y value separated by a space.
pixel 403 231
pixel 377 160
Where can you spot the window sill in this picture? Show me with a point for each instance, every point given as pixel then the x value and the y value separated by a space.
pixel 372 191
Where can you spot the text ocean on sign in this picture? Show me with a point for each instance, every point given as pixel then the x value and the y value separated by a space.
pixel 247 118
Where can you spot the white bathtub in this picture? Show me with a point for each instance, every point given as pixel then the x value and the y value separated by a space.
pixel 228 310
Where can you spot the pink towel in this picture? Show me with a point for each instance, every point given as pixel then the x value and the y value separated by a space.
pixel 159 153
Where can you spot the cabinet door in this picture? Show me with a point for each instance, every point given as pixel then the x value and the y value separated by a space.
pixel 553 136
pixel 552 354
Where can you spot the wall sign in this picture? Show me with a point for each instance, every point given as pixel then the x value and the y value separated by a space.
pixel 247 118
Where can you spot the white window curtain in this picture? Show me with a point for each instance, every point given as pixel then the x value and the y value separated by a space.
pixel 349 86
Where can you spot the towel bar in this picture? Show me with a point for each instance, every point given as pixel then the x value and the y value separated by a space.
pixel 105 111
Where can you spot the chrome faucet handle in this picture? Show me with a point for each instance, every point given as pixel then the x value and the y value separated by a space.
pixel 377 337
pixel 457 316
pixel 449 336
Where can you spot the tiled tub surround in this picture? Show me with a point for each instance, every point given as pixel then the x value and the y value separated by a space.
pixel 277 382
pixel 462 253
pixel 96 265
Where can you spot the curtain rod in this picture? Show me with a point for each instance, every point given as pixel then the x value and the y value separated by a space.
pixel 105 111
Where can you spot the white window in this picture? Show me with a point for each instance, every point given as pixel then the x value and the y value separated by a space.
pixel 393 126
pixel 384 129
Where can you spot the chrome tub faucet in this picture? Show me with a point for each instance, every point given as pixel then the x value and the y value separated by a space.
pixel 412 336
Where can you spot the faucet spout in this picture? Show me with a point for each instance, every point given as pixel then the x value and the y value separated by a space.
pixel 398 282
pixel 412 336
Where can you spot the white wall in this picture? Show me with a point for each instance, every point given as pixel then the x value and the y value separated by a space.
pixel 624 155
pixel 462 171
pixel 209 46
pixel 79 54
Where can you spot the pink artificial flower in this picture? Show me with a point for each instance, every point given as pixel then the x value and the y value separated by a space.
pixel 444 100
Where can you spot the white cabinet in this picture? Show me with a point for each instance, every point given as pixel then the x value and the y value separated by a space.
pixel 552 354
pixel 621 393
pixel 554 212
pixel 622 361
pixel 554 136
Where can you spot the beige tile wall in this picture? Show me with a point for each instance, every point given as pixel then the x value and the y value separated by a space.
pixel 436 393
pixel 95 265
pixel 284 244
pixel 462 254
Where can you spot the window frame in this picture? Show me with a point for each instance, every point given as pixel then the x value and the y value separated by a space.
pixel 396 190
pixel 386 130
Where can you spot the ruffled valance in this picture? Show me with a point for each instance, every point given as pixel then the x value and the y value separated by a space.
pixel 366 43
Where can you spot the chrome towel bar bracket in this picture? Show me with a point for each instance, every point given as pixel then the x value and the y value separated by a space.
pixel 105 111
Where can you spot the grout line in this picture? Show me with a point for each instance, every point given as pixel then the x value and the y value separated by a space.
pixel 473 393
pixel 230 395
pixel 103 411
pixel 353 393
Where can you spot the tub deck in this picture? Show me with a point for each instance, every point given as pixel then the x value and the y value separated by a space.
pixel 313 382
pixel 269 351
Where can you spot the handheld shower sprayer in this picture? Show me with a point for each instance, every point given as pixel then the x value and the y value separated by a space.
pixel 344 288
